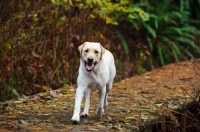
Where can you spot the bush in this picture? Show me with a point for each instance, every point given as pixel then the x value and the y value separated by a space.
pixel 167 34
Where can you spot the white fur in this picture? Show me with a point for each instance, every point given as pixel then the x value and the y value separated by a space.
pixel 100 78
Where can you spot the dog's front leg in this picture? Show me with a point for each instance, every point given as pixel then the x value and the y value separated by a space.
pixel 100 108
pixel 79 96
pixel 87 103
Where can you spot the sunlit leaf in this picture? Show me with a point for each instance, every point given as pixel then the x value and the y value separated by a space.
pixel 131 16
pixel 92 16
pixel 109 20
pixel 53 1
pixel 101 36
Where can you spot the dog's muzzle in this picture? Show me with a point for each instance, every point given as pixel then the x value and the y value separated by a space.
pixel 90 64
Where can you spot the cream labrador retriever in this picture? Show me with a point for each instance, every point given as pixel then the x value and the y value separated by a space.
pixel 96 72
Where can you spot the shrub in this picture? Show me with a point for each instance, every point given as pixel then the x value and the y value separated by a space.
pixel 167 34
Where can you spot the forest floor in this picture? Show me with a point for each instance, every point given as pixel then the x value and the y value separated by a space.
pixel 132 102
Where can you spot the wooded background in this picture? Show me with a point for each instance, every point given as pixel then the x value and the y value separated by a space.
pixel 39 38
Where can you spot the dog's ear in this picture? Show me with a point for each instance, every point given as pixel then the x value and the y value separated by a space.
pixel 80 48
pixel 102 50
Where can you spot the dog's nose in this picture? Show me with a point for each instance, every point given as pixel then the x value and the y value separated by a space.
pixel 90 59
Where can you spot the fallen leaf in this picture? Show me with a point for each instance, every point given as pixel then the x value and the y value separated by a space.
pixel 18 101
pixel 109 118
pixel 23 122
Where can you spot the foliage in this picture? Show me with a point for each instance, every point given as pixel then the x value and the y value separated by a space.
pixel 39 39
pixel 167 35
pixel 39 45
pixel 28 51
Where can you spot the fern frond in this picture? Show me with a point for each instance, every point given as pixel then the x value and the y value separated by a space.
pixel 173 22
pixel 188 35
pixel 175 55
pixel 176 51
pixel 150 30
pixel 150 43
pixel 165 39
pixel 155 20
pixel 175 15
pixel 125 45
pixel 166 56
pixel 191 29
pixel 185 41
pixel 172 30
pixel 132 22
pixel 187 52
pixel 160 52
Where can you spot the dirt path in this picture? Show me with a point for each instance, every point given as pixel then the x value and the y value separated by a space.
pixel 132 101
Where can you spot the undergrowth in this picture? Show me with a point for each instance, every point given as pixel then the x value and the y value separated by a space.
pixel 184 119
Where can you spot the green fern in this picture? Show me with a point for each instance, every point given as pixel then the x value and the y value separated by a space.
pixel 173 30
pixel 150 30
pixel 150 43
pixel 160 52
pixel 166 28
pixel 124 44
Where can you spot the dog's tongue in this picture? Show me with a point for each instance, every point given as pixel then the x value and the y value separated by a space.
pixel 90 67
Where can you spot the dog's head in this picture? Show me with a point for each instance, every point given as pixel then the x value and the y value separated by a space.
pixel 91 54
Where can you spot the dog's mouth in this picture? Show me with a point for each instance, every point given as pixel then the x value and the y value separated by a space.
pixel 89 66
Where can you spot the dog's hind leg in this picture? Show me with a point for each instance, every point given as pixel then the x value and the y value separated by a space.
pixel 100 108
pixel 87 103
pixel 108 88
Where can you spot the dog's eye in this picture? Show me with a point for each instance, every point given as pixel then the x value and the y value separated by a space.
pixel 86 51
pixel 96 52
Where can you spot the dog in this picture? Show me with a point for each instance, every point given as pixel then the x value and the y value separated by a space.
pixel 96 72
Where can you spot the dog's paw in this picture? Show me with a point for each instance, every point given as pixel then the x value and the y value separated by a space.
pixel 99 112
pixel 84 115
pixel 75 120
